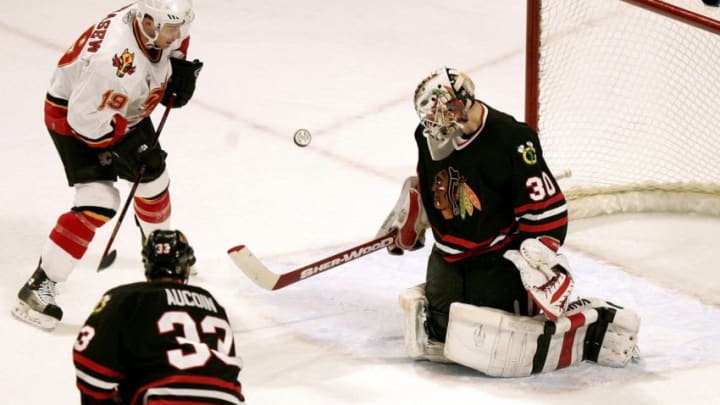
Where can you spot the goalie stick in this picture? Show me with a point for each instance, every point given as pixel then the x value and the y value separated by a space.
pixel 262 276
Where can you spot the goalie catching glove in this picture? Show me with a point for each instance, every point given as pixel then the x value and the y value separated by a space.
pixel 545 274
pixel 408 218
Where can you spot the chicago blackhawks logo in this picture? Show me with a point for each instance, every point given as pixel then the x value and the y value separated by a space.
pixel 528 153
pixel 102 304
pixel 124 63
pixel 452 196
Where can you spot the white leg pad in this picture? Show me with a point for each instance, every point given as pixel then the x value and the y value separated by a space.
pixel 567 343
pixel 492 341
pixel 417 344
pixel 619 345
pixel 501 344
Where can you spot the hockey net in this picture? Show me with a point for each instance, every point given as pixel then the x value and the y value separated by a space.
pixel 624 94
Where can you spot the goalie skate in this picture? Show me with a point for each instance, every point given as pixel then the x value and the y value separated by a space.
pixel 418 344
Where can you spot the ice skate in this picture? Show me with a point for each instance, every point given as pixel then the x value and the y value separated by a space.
pixel 36 304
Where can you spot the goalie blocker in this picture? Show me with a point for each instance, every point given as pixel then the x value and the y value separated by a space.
pixel 408 218
pixel 500 344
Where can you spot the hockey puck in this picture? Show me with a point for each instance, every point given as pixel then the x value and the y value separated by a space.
pixel 302 137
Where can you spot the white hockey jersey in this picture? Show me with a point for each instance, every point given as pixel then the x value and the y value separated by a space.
pixel 107 81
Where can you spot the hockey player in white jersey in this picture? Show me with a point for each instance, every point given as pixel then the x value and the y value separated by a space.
pixel 97 112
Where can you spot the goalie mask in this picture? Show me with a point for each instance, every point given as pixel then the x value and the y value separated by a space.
pixel 442 101
pixel 166 15
pixel 167 254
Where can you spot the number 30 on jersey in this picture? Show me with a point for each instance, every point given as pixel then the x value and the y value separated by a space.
pixel 540 187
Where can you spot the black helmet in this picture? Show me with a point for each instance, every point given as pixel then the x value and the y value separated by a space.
pixel 167 254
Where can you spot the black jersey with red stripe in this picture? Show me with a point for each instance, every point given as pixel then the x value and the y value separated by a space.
pixel 151 342
pixel 493 191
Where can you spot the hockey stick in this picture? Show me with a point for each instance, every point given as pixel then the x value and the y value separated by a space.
pixel 108 257
pixel 262 276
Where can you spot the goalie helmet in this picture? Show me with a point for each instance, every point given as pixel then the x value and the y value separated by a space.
pixel 442 100
pixel 167 254
pixel 175 12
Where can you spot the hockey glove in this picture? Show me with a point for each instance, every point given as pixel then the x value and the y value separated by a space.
pixel 182 81
pixel 544 273
pixel 409 218
pixel 153 158
pixel 128 164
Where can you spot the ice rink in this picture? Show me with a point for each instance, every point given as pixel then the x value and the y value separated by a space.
pixel 346 71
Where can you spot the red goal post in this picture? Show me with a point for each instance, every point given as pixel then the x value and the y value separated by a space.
pixel 624 94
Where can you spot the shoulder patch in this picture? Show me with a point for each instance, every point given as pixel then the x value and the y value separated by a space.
pixel 124 63
pixel 102 304
pixel 528 153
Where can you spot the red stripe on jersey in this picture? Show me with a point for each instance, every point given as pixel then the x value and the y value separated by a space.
pixel 471 253
pixel 576 321
pixel 103 142
pixel 119 124
pixel 539 206
pixel 543 228
pixel 153 210
pixel 178 380
pixel 86 391
pixel 56 119
pixel 467 244
pixel 74 231
pixel 89 364
pixel 176 402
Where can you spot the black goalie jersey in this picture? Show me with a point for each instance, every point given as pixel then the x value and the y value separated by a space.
pixel 492 192
pixel 152 342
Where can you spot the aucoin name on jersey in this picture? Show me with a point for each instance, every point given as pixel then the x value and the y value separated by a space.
pixel 185 298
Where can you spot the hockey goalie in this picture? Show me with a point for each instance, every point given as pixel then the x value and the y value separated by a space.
pixel 496 296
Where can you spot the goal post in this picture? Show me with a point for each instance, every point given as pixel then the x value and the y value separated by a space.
pixel 624 94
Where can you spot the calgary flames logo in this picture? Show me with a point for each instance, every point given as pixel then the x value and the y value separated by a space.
pixel 124 63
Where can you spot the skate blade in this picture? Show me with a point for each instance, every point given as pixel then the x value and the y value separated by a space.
pixel 26 314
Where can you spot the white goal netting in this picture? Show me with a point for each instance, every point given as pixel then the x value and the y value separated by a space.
pixel 627 99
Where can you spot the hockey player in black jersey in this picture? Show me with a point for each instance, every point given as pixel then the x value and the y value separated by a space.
pixel 160 341
pixel 498 217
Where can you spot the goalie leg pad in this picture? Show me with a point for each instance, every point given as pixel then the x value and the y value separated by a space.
pixel 565 339
pixel 492 341
pixel 501 344
pixel 612 340
pixel 417 343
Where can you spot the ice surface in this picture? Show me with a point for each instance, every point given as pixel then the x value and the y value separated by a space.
pixel 345 70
